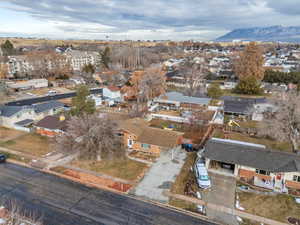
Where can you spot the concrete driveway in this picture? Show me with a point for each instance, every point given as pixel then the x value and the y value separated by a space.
pixel 161 176
pixel 221 193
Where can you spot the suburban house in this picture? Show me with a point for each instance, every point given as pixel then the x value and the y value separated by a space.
pixel 255 164
pixel 51 126
pixel 28 84
pixel 176 100
pixel 112 95
pixel 241 106
pixel 138 136
pixel 10 116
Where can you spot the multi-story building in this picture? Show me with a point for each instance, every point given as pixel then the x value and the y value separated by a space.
pixel 18 65
pixel 78 59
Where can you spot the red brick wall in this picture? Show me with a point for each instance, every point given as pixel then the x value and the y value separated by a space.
pixel 246 173
pixel 46 132
pixel 89 178
pixel 293 184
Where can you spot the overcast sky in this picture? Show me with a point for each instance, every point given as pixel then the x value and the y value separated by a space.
pixel 141 19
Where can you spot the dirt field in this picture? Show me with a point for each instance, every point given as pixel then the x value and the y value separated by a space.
pixel 31 143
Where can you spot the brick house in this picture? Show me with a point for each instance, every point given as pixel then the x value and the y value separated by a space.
pixel 51 126
pixel 140 137
pixel 255 164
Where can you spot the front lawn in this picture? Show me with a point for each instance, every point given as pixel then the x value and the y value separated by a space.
pixel 33 144
pixel 278 207
pixel 6 133
pixel 125 169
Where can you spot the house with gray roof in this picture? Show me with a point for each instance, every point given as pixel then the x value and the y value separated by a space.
pixel 253 163
pixel 13 116
pixel 178 100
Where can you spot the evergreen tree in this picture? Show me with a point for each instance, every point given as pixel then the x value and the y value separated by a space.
pixel 248 86
pixel 214 91
pixel 81 104
pixel 105 57
pixel 7 48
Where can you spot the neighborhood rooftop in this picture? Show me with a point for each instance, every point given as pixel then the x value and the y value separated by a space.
pixel 251 155
pixel 8 111
pixel 179 97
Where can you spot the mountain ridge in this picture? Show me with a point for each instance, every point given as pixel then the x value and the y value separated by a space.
pixel 271 33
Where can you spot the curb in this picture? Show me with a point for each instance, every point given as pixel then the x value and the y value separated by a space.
pixel 100 187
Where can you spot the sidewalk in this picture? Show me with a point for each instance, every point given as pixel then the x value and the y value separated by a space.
pixel 226 210
pixel 26 155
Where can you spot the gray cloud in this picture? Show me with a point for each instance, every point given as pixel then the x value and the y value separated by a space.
pixel 117 16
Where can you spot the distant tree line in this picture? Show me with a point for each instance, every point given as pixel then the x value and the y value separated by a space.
pixel 272 76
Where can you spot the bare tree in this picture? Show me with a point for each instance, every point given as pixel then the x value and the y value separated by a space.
pixel 250 63
pixel 4 92
pixel 146 86
pixel 133 57
pixel 194 76
pixel 93 137
pixel 152 83
pixel 3 70
pixel 284 124
pixel 15 215
pixel 46 64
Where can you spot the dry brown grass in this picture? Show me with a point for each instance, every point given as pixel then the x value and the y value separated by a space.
pixel 280 146
pixel 33 144
pixel 278 207
pixel 125 169
pixel 9 134
pixel 185 174
pixel 178 203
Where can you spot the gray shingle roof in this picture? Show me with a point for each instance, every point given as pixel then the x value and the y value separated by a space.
pixel 254 156
pixel 47 106
pixel 179 97
pixel 240 105
pixel 8 111
pixel 24 122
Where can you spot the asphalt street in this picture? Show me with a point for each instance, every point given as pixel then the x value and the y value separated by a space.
pixel 58 201
pixel 31 101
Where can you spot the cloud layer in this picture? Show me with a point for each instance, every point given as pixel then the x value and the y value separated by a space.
pixel 155 19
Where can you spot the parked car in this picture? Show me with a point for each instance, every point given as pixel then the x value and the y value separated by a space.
pixel 2 158
pixel 201 174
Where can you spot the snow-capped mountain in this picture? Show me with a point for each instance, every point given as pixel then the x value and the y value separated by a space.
pixel 273 33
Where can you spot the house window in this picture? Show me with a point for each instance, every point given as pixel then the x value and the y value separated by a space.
pixel 145 146
pixel 262 172
pixel 296 178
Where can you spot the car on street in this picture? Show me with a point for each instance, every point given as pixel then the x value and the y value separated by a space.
pixel 2 158
pixel 201 174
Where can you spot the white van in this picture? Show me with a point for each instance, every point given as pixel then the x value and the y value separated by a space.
pixel 201 174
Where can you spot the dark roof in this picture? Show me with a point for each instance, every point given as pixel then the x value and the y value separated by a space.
pixel 240 105
pixel 52 123
pixel 24 122
pixel 252 155
pixel 47 106
pixel 8 111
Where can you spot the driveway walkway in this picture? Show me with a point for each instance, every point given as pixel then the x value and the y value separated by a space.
pixel 161 176
pixel 222 193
